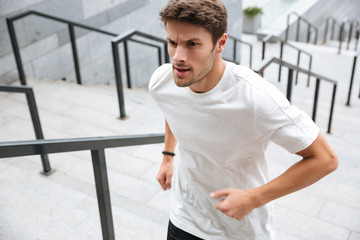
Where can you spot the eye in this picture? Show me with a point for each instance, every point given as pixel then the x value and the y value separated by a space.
pixel 193 44
pixel 172 43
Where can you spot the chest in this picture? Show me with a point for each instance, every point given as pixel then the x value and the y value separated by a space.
pixel 211 124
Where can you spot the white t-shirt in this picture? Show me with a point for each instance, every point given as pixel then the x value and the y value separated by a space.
pixel 222 136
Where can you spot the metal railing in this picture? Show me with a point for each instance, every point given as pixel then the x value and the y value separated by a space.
pixel 310 27
pixel 96 146
pixel 355 25
pixel 235 44
pixel 282 43
pixel 330 22
pixel 260 68
pixel 352 78
pixel 30 97
pixel 123 38
pixel 71 26
pixel 346 30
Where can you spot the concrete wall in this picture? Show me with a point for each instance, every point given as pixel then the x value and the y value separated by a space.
pixel 46 52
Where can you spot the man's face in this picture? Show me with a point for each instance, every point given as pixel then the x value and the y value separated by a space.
pixel 192 52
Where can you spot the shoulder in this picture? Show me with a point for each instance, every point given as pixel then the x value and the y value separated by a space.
pixel 160 76
pixel 255 86
pixel 248 77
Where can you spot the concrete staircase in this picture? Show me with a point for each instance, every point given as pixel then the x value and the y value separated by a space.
pixel 64 206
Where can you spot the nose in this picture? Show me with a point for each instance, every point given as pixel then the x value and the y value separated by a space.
pixel 179 54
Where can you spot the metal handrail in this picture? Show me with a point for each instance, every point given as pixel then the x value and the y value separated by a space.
pixel 123 38
pixel 334 22
pixel 309 27
pixel 260 68
pixel 237 40
pixel 354 25
pixel 97 146
pixel 71 28
pixel 282 43
pixel 343 33
pixel 30 97
pixel 352 78
pixel 357 36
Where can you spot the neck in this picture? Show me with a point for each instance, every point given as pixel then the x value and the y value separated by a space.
pixel 212 79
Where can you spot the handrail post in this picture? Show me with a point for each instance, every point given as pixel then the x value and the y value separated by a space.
pixel 349 36
pixel 287 27
pixel 308 34
pixel 356 31
pixel 341 37
pixel 234 54
pixel 263 50
pixel 297 29
pixel 103 193
pixel 250 61
pixel 75 54
pixel 167 59
pixel 310 65
pixel 316 36
pixel 281 55
pixel 357 36
pixel 326 29
pixel 351 81
pixel 30 97
pixel 317 87
pixel 332 108
pixel 119 87
pixel 127 64
pixel 159 56
pixel 289 84
pixel 297 64
pixel 263 55
pixel 15 47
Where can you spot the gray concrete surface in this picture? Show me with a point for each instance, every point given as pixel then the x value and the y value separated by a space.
pixel 64 206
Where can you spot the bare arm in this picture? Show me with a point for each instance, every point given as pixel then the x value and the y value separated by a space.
pixel 318 161
pixel 165 173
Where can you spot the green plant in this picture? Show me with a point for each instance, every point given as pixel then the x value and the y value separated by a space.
pixel 252 11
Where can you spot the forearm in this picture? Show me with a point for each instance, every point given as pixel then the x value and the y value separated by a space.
pixel 300 175
pixel 238 202
pixel 170 140
pixel 318 160
pixel 166 168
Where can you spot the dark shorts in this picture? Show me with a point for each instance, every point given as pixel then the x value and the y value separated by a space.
pixel 175 233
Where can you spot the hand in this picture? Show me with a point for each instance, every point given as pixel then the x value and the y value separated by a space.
pixel 165 173
pixel 236 204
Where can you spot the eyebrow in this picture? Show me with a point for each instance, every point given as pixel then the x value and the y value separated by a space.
pixel 189 40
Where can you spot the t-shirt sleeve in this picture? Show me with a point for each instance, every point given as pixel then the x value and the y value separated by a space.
pixel 158 77
pixel 281 122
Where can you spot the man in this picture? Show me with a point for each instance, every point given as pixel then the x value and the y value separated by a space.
pixel 221 117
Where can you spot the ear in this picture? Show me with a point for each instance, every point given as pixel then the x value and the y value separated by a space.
pixel 220 45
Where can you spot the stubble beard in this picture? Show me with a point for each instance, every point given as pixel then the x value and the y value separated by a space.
pixel 196 77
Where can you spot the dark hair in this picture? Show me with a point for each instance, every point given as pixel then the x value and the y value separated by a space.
pixel 209 14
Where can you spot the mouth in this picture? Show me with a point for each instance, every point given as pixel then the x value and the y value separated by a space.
pixel 181 70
